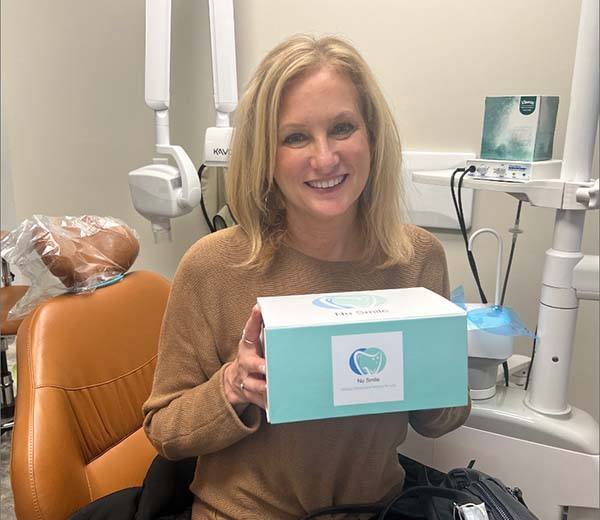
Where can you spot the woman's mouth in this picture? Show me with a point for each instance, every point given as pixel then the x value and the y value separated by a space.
pixel 327 183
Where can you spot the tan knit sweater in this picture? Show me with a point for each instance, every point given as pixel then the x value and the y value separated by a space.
pixel 246 467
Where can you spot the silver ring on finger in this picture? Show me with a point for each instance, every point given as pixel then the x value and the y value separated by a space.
pixel 246 340
pixel 242 386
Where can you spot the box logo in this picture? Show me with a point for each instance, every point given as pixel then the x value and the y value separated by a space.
pixel 367 361
pixel 367 368
pixel 527 105
pixel 345 301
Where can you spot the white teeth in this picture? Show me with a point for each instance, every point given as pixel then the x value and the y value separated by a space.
pixel 326 184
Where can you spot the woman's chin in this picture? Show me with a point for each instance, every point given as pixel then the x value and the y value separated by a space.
pixel 331 213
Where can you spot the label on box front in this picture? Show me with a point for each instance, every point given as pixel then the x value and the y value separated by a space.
pixel 367 368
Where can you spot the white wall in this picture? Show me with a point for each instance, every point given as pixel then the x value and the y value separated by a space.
pixel 72 84
pixel 7 206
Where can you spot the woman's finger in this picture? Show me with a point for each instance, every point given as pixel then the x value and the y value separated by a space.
pixel 260 401
pixel 257 398
pixel 251 332
pixel 254 384
pixel 252 363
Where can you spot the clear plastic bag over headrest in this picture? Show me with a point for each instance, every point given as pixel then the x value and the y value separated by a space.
pixel 68 254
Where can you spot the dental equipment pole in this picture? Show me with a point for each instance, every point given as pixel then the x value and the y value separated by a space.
pixel 547 393
pixel 161 191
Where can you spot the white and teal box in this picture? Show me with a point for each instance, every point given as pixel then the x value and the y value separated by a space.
pixel 358 353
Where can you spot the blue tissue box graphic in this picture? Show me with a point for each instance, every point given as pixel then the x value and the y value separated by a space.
pixel 344 354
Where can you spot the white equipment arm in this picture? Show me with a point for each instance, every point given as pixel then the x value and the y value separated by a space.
pixel 161 191
pixel 222 39
pixel 158 54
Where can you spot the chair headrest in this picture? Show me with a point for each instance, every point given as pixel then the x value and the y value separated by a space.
pixel 86 253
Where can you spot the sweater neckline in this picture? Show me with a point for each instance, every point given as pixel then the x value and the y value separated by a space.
pixel 293 252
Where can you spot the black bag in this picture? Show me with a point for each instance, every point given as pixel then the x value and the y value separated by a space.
pixel 432 495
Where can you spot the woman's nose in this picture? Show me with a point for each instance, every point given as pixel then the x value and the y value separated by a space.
pixel 325 158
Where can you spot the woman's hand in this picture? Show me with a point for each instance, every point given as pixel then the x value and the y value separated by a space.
pixel 245 378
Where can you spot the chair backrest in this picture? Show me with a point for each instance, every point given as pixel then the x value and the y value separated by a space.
pixel 85 366
pixel 9 295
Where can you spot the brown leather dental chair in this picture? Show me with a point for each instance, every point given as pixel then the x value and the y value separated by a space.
pixel 86 364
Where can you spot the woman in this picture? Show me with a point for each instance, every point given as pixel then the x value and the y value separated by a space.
pixel 314 184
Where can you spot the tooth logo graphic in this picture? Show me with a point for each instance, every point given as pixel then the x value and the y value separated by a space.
pixel 345 301
pixel 367 361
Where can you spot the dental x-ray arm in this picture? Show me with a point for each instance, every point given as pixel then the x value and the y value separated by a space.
pixel 157 94
pixel 161 191
pixel 222 41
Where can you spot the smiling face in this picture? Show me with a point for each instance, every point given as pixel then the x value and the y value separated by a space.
pixel 323 157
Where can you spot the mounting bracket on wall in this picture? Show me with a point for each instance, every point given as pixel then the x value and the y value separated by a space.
pixel 431 205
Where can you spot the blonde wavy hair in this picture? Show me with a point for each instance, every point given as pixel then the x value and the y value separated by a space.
pixel 254 198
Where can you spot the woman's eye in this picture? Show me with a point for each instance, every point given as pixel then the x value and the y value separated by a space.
pixel 295 139
pixel 344 129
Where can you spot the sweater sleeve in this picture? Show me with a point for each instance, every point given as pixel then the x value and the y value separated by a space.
pixel 187 413
pixel 434 276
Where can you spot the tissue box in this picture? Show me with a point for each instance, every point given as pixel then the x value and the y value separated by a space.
pixel 357 353
pixel 519 128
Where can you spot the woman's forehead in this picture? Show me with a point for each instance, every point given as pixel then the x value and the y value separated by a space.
pixel 318 92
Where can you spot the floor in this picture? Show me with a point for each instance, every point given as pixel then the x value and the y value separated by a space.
pixel 7 511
